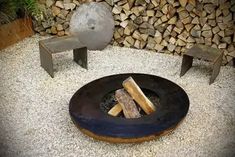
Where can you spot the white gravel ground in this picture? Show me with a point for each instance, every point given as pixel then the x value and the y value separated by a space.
pixel 34 116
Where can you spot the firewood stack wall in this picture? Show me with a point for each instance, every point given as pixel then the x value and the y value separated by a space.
pixel 167 26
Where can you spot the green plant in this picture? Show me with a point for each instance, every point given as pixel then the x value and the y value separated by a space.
pixel 30 6
pixel 12 9
pixel 7 10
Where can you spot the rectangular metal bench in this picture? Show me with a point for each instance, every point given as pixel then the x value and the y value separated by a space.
pixel 205 53
pixel 50 46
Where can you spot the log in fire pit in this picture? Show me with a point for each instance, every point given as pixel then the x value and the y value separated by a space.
pixel 90 105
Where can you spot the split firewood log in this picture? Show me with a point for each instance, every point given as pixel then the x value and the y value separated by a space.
pixel 137 94
pixel 115 110
pixel 128 105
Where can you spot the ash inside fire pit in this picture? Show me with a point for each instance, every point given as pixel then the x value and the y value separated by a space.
pixel 109 101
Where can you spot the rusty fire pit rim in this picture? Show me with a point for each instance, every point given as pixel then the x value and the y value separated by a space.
pixel 129 120
pixel 112 75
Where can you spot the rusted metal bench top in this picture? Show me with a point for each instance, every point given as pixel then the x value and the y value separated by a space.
pixel 50 46
pixel 205 53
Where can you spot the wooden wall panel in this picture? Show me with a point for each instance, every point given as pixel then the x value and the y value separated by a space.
pixel 15 31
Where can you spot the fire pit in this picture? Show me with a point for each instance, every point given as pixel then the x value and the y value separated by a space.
pixel 89 106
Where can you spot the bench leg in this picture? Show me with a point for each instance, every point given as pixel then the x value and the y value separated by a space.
pixel 216 69
pixel 80 56
pixel 186 64
pixel 46 61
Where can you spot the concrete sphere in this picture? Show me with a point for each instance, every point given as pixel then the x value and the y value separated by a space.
pixel 93 24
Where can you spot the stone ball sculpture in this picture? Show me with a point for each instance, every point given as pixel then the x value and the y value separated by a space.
pixel 93 24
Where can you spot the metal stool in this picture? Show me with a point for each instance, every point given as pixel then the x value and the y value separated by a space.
pixel 59 44
pixel 206 53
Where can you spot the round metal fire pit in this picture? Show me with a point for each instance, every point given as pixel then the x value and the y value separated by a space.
pixel 86 112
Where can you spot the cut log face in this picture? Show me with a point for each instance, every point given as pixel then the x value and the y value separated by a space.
pixel 115 110
pixel 128 105
pixel 136 93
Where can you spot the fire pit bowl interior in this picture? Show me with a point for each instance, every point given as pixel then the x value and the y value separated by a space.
pixel 87 113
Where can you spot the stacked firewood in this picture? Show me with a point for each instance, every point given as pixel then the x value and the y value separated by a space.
pixel 56 16
pixel 167 26
pixel 173 26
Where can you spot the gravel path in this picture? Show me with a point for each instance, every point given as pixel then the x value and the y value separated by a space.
pixel 34 116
